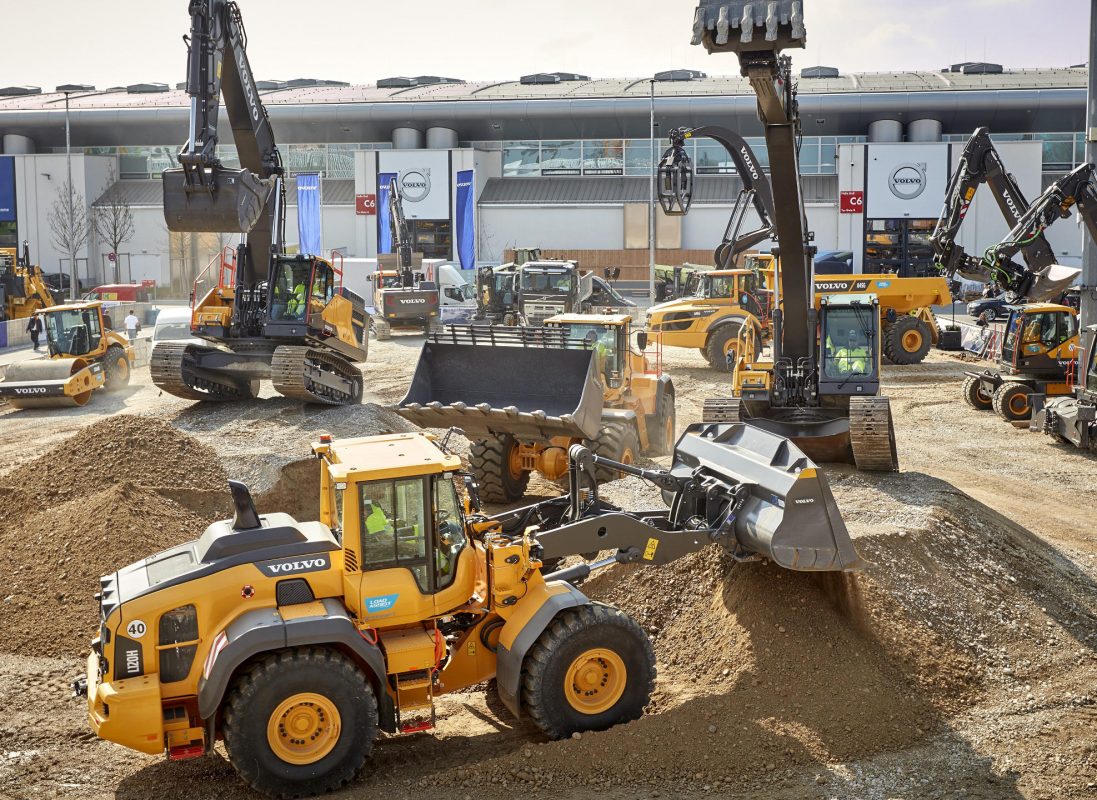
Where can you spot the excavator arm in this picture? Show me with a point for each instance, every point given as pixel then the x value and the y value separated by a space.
pixel 401 234
pixel 202 195
pixel 981 163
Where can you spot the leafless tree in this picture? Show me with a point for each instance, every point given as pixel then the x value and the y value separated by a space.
pixel 113 219
pixel 68 221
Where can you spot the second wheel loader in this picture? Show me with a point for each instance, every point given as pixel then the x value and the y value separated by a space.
pixel 298 643
pixel 524 395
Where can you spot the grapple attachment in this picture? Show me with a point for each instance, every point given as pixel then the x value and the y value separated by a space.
pixel 748 26
pixel 233 204
pixel 493 383
pixel 781 503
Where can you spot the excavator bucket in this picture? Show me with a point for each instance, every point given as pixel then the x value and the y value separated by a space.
pixel 51 383
pixel 521 381
pixel 1051 282
pixel 787 514
pixel 749 25
pixel 234 205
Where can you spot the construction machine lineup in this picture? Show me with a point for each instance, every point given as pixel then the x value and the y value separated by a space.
pixel 297 643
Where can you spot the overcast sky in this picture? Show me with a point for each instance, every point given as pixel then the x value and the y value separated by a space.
pixel 128 41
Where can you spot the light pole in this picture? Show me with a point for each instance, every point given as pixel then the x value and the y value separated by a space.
pixel 651 203
pixel 1088 295
pixel 67 90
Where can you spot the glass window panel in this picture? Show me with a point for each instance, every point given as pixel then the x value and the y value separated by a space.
pixel 561 157
pixel 638 159
pixel 521 160
pixel 605 156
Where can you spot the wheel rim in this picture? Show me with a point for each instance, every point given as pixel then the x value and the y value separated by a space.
pixel 1018 404
pixel 123 367
pixel 514 462
pixel 303 729
pixel 912 341
pixel 595 681
pixel 729 347
pixel 628 456
pixel 983 395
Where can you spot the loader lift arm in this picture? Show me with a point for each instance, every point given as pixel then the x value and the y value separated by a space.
pixel 981 163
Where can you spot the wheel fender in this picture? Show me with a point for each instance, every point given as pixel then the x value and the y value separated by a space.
pixel 663 387
pixel 723 322
pixel 508 667
pixel 264 631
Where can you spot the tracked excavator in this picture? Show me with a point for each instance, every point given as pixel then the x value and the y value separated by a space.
pixel 263 312
pixel 822 387
pixel 297 643
pixel 1040 278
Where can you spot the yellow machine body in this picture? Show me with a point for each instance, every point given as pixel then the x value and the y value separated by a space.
pixel 32 294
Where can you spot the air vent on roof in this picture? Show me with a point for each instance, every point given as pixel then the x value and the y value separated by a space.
pixel 982 68
pixel 20 91
pixel 819 72
pixel 397 83
pixel 265 86
pixel 1078 66
pixel 303 83
pixel 146 88
pixel 75 87
pixel 539 78
pixel 680 75
pixel 958 67
pixel 430 80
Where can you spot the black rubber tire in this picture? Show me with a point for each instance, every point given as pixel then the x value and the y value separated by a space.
pixel 1005 397
pixel 487 459
pixel 895 332
pixel 115 376
pixel 569 635
pixel 974 396
pixel 988 315
pixel 612 441
pixel 257 692
pixel 657 437
pixel 717 341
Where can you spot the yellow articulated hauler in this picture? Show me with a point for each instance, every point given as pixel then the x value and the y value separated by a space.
pixel 297 642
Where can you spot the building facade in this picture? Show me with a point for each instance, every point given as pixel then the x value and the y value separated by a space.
pixel 557 161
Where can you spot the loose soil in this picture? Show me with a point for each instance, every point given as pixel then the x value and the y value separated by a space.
pixel 961 663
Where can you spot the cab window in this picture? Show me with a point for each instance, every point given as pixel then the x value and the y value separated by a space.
pixel 394 527
pixel 1042 331
pixel 289 290
pixel 850 344
pixel 449 532
pixel 323 283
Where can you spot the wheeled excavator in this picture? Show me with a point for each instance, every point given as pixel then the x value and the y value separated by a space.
pixel 1040 278
pixel 297 643
pixel 400 295
pixel 264 313
pixel 822 387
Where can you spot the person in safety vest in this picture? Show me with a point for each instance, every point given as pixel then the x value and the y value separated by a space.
pixel 853 358
pixel 295 308
pixel 379 539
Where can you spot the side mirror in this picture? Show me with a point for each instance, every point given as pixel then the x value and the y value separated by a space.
pixel 642 340
pixel 473 489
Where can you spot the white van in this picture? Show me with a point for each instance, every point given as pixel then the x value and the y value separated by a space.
pixel 173 325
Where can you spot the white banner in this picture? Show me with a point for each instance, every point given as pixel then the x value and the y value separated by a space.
pixel 424 181
pixel 906 181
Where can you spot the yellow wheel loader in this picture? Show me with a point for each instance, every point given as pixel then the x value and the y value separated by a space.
pixel 297 643
pixel 23 290
pixel 524 395
pixel 83 356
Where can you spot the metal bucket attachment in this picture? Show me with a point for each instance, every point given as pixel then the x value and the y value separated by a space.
pixel 749 25
pixel 51 383
pixel 531 392
pixel 788 515
pixel 1051 282
pixel 234 206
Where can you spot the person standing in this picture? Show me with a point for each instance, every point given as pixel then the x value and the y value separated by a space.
pixel 34 328
pixel 133 325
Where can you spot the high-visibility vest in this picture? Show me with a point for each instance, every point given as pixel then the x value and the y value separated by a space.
pixel 376 522
pixel 297 301
pixel 851 361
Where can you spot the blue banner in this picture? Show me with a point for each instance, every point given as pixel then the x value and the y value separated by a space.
pixel 384 235
pixel 308 214
pixel 7 189
pixel 465 218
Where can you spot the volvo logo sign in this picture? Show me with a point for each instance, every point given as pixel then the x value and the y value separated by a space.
pixel 908 181
pixel 415 185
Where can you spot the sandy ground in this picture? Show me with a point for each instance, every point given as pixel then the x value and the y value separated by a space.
pixel 962 663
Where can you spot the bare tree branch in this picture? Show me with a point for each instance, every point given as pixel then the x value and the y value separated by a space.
pixel 113 219
pixel 68 221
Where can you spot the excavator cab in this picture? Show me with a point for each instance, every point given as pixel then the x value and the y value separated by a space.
pixel 849 336
pixel 1040 338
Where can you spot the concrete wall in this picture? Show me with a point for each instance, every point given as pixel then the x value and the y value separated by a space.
pixel 574 228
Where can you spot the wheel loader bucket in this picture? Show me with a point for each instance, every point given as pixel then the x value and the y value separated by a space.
pixel 51 383
pixel 788 515
pixel 531 391
pixel 234 206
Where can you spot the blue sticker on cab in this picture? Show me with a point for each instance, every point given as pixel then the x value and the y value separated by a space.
pixel 883 284
pixel 384 602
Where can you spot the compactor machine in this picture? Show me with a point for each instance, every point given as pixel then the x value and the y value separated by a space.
pixel 297 643
pixel 263 312
pixel 822 388
pixel 83 356
pixel 524 395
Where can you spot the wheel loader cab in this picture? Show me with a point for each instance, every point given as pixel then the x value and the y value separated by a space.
pixel 608 335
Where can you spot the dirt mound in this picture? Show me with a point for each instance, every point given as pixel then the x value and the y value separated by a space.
pixel 59 553
pixel 144 450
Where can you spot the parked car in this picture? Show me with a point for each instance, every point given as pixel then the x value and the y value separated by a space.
pixel 59 282
pixel 834 262
pixel 988 309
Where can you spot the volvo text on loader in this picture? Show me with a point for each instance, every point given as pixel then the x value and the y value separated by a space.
pixel 263 312
pixel 84 355
pixel 524 395
pixel 296 643
pixel 822 388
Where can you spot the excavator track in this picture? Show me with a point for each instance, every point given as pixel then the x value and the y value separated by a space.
pixel 169 373
pixel 872 434
pixel 721 409
pixel 314 376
